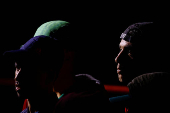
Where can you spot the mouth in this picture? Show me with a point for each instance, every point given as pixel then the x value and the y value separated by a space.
pixel 119 68
pixel 119 71
pixel 17 88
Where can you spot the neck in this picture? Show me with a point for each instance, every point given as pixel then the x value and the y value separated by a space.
pixel 58 94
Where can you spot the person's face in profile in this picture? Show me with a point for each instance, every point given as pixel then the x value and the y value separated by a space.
pixel 124 61
pixel 28 78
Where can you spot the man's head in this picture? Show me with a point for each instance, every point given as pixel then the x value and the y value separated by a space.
pixel 136 47
pixel 39 60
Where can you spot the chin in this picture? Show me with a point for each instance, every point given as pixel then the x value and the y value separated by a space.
pixel 21 95
pixel 120 78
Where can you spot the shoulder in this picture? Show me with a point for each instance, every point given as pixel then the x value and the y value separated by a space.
pixel 82 102
pixel 87 94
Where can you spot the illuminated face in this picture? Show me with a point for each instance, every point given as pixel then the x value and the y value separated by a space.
pixel 25 78
pixel 124 60
pixel 29 79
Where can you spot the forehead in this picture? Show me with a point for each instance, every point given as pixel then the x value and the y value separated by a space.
pixel 26 62
pixel 124 44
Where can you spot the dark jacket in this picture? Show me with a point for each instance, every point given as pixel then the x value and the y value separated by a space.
pixel 86 95
pixel 149 93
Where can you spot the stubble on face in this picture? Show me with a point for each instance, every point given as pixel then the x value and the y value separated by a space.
pixel 123 60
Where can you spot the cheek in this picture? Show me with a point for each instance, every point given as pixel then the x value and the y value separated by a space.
pixel 30 78
pixel 128 63
pixel 41 80
pixel 129 67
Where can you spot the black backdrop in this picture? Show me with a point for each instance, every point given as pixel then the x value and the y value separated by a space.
pixel 100 23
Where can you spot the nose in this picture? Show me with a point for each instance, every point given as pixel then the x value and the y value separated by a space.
pixel 117 59
pixel 17 73
pixel 16 83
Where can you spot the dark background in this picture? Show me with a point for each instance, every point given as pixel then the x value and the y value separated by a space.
pixel 100 25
